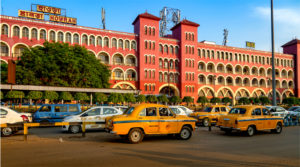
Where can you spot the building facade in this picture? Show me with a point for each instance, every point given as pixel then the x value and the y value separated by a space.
pixel 174 65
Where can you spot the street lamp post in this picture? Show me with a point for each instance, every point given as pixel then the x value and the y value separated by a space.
pixel 273 58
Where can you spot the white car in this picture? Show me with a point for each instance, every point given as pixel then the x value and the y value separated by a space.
pixel 178 110
pixel 278 111
pixel 122 108
pixel 185 109
pixel 94 114
pixel 9 116
pixel 295 110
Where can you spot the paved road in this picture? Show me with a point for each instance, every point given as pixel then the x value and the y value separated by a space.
pixel 50 147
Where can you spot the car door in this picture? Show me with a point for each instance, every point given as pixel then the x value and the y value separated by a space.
pixel 3 116
pixel 44 113
pixel 268 123
pixel 91 116
pixel 168 122
pixel 107 112
pixel 60 112
pixel 257 118
pixel 149 120
pixel 216 112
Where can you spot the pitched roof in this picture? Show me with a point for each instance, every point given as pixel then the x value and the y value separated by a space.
pixel 146 15
pixel 292 42
pixel 186 22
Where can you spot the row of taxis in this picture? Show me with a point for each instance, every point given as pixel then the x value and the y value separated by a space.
pixel 154 119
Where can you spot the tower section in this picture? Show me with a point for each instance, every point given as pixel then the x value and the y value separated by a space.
pixel 146 26
pixel 186 33
pixel 293 47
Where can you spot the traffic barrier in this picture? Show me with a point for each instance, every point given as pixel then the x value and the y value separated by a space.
pixel 27 125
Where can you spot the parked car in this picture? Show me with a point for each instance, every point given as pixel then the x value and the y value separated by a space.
pixel 9 116
pixel 178 110
pixel 185 109
pixel 122 108
pixel 150 119
pixel 295 110
pixel 55 112
pixel 278 111
pixel 94 114
pixel 250 119
pixel 211 113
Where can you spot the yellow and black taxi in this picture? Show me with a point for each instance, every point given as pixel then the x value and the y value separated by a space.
pixel 211 113
pixel 250 119
pixel 150 119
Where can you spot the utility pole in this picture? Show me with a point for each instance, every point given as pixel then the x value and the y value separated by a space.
pixel 273 58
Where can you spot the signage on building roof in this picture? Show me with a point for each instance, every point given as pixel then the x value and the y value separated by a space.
pixel 63 19
pixel 250 44
pixel 48 9
pixel 30 14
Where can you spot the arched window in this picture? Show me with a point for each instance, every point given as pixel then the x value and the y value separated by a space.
pixel 114 43
pixel 60 37
pixel 25 32
pixel 160 63
pixel 84 39
pixel 149 30
pixel 146 29
pixel 121 44
pixel 126 44
pixel 4 50
pixel 153 45
pixel 171 49
pixel 106 42
pixel 52 35
pixel 76 38
pixel 176 50
pixel 153 31
pixel 99 41
pixel 68 37
pixel 92 40
pixel 166 49
pixel 160 48
pixel 146 44
pixel 160 77
pixel 43 34
pixel 34 33
pixel 4 30
pixel 16 31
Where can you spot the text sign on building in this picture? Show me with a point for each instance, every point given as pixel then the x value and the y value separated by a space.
pixel 29 14
pixel 63 19
pixel 48 9
pixel 250 44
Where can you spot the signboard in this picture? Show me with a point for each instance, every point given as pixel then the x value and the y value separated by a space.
pixel 29 14
pixel 250 44
pixel 48 9
pixel 63 19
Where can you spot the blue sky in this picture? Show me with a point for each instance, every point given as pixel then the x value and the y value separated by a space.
pixel 246 20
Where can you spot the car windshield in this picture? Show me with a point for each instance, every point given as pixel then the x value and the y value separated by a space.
pixel 294 108
pixel 129 111
pixel 207 109
pixel 237 111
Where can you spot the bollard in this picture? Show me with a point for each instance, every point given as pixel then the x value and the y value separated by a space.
pixel 83 129
pixel 25 132
pixel 209 124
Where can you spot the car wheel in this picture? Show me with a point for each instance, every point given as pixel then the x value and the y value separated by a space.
pixel 250 131
pixel 278 128
pixel 185 133
pixel 206 122
pixel 74 129
pixel 7 131
pixel 135 136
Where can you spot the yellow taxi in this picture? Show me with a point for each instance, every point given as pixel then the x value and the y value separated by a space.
pixel 211 113
pixel 250 119
pixel 150 119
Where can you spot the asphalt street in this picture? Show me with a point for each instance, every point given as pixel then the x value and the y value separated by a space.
pixel 51 147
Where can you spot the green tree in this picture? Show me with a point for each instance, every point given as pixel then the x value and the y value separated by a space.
pixel 1 95
pixel 100 97
pixel 244 100
pixel 290 101
pixel 141 98
pixel 188 99
pixel 65 96
pixel 163 99
pixel 59 64
pixel 35 95
pixel 51 95
pixel 175 100
pixel 151 99
pixel 15 95
pixel 3 72
pixel 264 100
pixel 121 98
pixel 129 98
pixel 202 100
pixel 215 100
pixel 81 96
pixel 113 98
pixel 226 100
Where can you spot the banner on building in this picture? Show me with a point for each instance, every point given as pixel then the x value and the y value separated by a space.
pixel 63 19
pixel 30 14
pixel 48 9
pixel 250 44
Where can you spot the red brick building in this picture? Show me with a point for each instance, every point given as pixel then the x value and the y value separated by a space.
pixel 177 64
